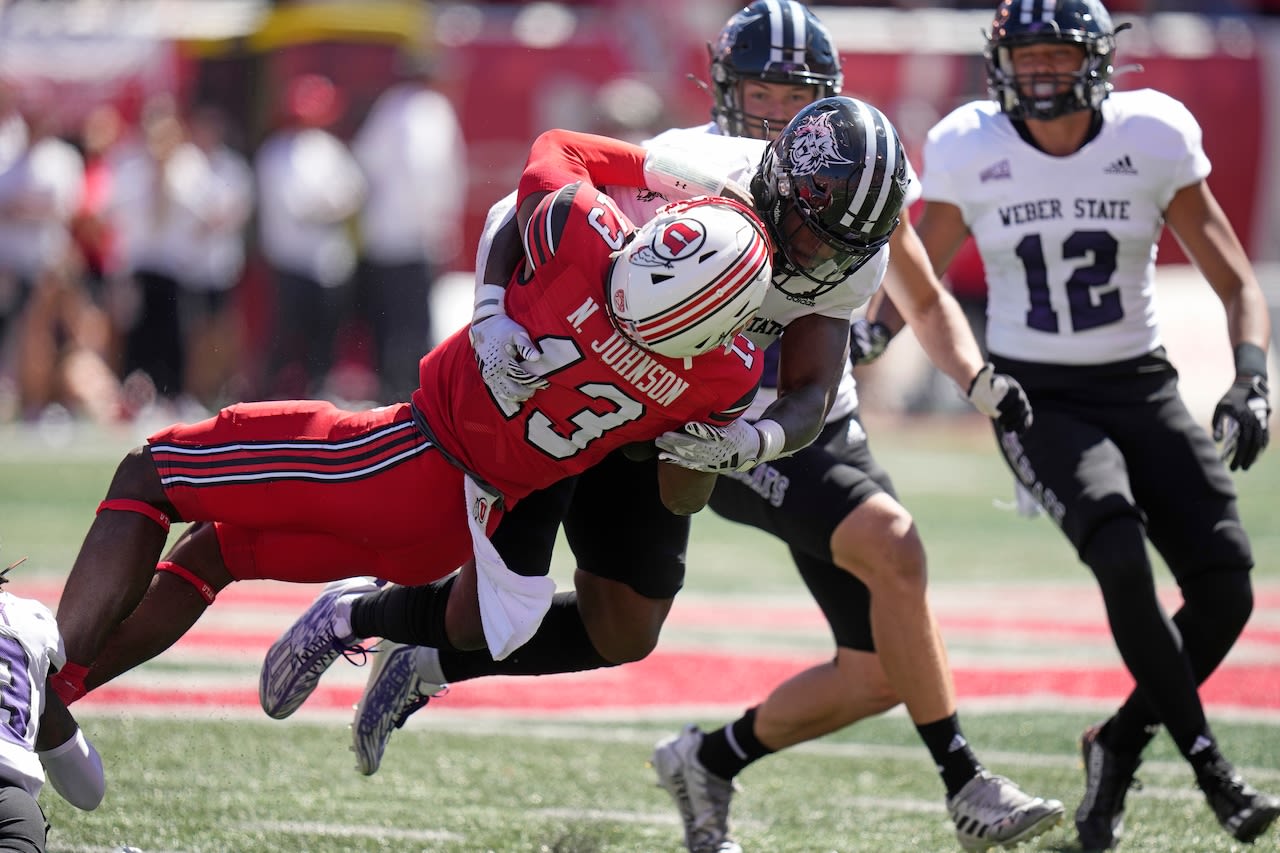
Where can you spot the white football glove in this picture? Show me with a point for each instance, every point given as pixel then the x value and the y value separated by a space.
pixel 502 347
pixel 735 447
pixel 1000 398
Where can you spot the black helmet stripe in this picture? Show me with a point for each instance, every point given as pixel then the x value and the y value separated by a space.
pixel 788 34
pixel 879 163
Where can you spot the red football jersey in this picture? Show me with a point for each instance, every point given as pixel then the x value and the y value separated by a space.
pixel 605 392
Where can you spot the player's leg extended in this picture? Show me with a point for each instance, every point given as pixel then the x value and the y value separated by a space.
pixel 182 588
pixel 849 687
pixel 1189 500
pixel 113 567
pixel 878 543
pixel 1192 519
pixel 1071 461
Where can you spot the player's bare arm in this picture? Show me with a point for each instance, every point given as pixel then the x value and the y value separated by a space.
pixel 941 231
pixel 71 763
pixel 57 725
pixel 1240 420
pixel 909 265
pixel 504 254
pixel 809 371
pixel 1202 228
pixel 931 310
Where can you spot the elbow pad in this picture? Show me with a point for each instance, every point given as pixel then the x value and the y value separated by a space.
pixel 75 771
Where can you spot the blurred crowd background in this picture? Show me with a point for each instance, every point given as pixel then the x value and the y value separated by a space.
pixel 204 201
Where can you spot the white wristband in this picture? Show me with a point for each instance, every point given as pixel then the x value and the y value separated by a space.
pixel 490 300
pixel 677 176
pixel 772 439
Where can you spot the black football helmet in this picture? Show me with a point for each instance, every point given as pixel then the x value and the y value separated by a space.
pixel 830 188
pixel 1022 22
pixel 770 41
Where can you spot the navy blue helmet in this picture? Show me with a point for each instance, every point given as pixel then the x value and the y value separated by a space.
pixel 830 188
pixel 769 41
pixel 1024 22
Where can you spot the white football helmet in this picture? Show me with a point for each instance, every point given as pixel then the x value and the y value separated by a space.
pixel 692 277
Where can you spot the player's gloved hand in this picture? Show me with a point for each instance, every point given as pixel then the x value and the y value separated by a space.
pixel 503 348
pixel 867 341
pixel 1240 421
pixel 1001 398
pixel 735 447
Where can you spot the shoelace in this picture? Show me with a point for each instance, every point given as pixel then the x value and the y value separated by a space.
pixel 356 655
pixel 417 701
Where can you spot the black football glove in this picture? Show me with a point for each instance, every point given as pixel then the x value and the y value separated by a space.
pixel 867 341
pixel 1240 421
pixel 1000 397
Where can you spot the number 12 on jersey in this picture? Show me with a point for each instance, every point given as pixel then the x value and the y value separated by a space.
pixel 1089 307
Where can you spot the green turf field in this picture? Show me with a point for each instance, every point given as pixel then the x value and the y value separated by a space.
pixel 453 783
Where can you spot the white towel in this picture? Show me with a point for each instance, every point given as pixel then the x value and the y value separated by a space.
pixel 511 605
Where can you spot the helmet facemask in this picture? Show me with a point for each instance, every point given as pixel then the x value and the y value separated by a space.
pixel 779 42
pixel 831 190
pixel 1042 97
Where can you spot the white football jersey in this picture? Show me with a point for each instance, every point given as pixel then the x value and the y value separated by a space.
pixel 30 646
pixel 737 159
pixel 1069 243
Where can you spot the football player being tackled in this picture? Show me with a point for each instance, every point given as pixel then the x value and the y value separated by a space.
pixel 638 332
pixel 856 546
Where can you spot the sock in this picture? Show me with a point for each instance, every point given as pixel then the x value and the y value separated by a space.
pixel 426 662
pixel 1216 606
pixel 728 750
pixel 560 645
pixel 1127 733
pixel 68 682
pixel 342 631
pixel 952 756
pixel 1202 751
pixel 404 614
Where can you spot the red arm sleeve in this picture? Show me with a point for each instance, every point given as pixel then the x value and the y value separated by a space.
pixel 560 157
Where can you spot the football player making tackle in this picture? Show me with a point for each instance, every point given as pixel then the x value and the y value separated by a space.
pixel 1066 185
pixel 853 541
pixel 639 330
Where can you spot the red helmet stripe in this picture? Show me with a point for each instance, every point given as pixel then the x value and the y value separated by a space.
pixel 710 299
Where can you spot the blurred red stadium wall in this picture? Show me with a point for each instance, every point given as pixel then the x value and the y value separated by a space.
pixel 624 68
